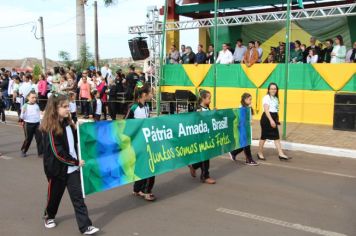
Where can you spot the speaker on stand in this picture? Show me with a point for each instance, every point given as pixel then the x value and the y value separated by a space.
pixel 345 112
pixel 139 48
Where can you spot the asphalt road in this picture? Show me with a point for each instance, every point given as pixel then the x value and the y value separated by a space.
pixel 310 195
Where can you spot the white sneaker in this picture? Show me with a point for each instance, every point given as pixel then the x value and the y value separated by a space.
pixel 91 230
pixel 49 223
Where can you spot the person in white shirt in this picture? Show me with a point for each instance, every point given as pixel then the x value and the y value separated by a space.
pixel 30 120
pixel 312 57
pixel 270 121
pixel 338 55
pixel 239 52
pixel 97 106
pixel 351 54
pixel 49 81
pixel 25 88
pixel 10 89
pixel 259 50
pixel 106 73
pixel 225 56
pixel 73 106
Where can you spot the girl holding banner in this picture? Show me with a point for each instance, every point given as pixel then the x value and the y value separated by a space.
pixel 61 164
pixel 246 101
pixel 140 110
pixel 204 102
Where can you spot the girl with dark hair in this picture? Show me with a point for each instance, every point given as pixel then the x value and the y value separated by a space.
pixel 270 121
pixel 61 164
pixel 203 105
pixel 140 110
pixel 246 101
pixel 338 54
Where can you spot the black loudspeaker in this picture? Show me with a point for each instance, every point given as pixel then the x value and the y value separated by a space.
pixel 139 48
pixel 185 95
pixel 345 112
pixel 169 97
pixel 169 100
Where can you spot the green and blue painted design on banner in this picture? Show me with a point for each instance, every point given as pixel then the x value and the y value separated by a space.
pixel 121 152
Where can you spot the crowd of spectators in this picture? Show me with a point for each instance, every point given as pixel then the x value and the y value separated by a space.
pixel 84 87
pixel 331 51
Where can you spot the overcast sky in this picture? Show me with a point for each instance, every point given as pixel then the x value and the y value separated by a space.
pixel 59 23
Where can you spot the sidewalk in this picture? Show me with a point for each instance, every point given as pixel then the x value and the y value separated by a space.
pixel 321 135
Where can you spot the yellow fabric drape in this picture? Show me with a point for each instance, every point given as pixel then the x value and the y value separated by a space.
pixel 336 75
pixel 197 73
pixel 259 73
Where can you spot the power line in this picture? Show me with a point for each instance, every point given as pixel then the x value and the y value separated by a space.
pixel 17 25
pixel 67 20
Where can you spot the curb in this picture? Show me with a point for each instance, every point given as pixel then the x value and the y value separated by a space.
pixel 315 149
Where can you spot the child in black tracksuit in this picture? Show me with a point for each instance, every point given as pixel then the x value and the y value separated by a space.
pixel 30 120
pixel 61 164
pixel 246 101
pixel 2 109
pixel 203 105
pixel 140 110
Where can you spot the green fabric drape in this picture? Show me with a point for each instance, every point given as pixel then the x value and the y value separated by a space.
pixel 174 75
pixel 228 76
pixel 327 28
pixel 301 77
pixel 351 85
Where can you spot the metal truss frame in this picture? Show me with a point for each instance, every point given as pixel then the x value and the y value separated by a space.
pixel 270 17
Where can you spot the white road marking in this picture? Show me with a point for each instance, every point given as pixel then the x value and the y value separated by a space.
pixel 309 170
pixel 281 223
pixel 5 158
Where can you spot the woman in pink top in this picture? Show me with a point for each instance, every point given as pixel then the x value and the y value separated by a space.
pixel 42 92
pixel 84 94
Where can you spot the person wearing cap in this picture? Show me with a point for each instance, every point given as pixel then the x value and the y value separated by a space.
pixel 315 47
pixel 338 55
pixel 131 80
pixel 281 53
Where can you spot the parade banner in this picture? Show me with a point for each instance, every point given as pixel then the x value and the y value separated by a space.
pixel 121 152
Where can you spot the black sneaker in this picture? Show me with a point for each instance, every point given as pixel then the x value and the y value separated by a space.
pixel 251 163
pixel 232 157
pixel 91 230
pixel 49 223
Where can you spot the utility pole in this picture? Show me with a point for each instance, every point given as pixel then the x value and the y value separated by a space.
pixel 286 76
pixel 96 35
pixel 44 63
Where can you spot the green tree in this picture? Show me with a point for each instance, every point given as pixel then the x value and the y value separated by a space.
pixel 85 59
pixel 36 73
pixel 65 58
